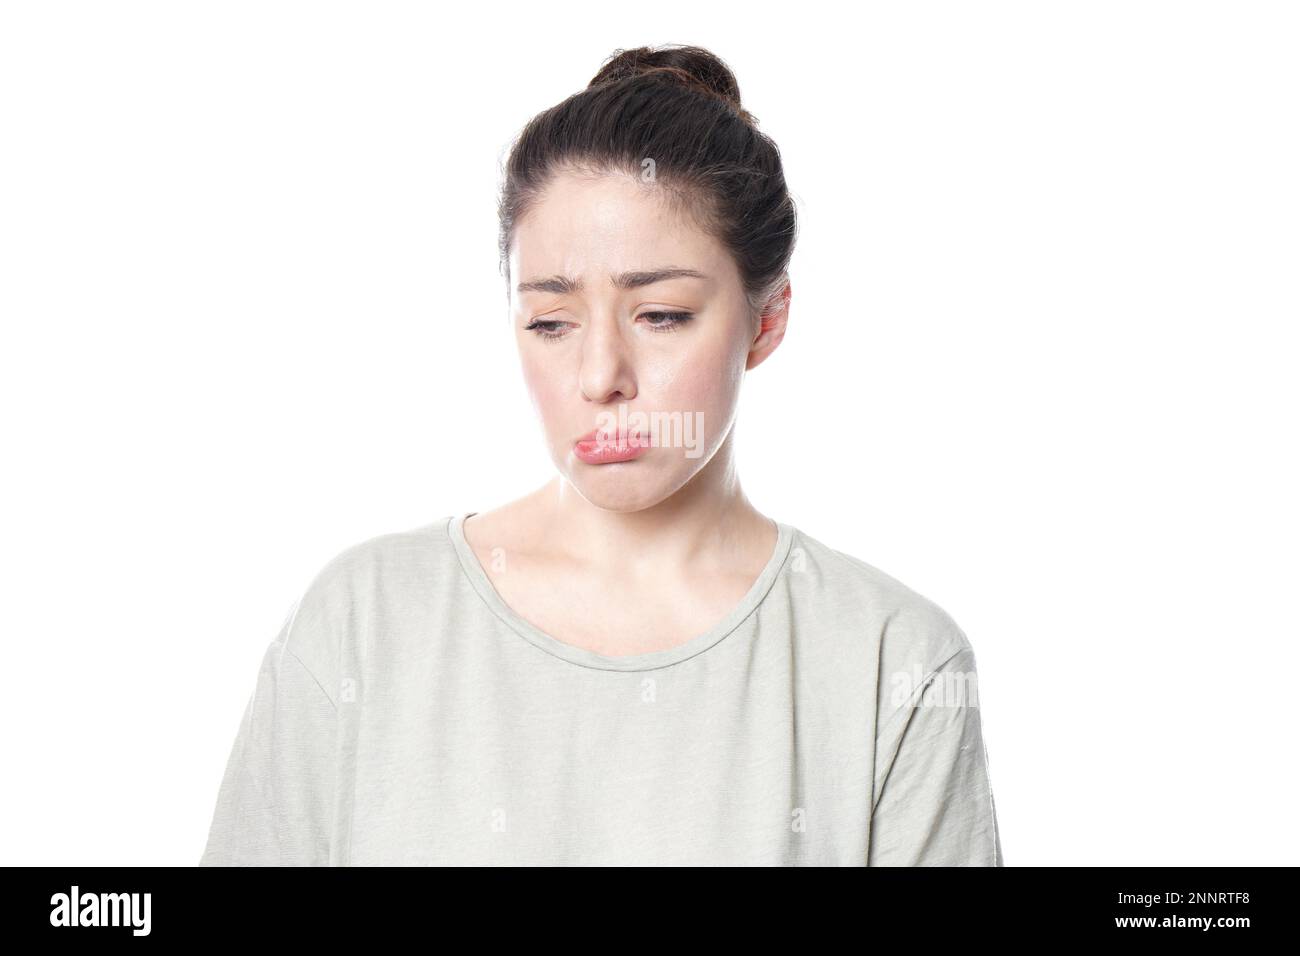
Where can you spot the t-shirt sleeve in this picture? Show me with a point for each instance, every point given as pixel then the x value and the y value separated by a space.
pixel 933 802
pixel 275 805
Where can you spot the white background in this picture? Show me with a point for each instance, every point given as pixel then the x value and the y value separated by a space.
pixel 1041 367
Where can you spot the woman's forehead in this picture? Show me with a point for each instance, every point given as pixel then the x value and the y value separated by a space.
pixel 608 225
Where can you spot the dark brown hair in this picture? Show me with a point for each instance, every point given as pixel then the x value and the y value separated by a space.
pixel 678 106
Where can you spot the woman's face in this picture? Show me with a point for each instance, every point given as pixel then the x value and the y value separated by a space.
pixel 588 303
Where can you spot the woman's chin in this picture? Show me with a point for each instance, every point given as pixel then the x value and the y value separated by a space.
pixel 620 487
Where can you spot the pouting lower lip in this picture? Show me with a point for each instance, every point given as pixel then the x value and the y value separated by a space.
pixel 599 452
pixel 627 439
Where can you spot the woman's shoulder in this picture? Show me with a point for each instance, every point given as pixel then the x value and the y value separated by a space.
pixel 390 570
pixel 912 627
pixel 366 562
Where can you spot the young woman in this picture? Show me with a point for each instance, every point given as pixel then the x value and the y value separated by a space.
pixel 630 664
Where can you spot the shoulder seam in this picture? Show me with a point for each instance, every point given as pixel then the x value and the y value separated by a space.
pixel 960 647
pixel 310 673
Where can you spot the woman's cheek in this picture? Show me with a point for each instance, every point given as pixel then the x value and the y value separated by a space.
pixel 545 391
pixel 700 385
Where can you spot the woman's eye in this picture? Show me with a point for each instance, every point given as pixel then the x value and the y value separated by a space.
pixel 658 321
pixel 667 321
pixel 546 328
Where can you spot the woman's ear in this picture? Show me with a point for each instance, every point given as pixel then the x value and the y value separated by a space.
pixel 771 326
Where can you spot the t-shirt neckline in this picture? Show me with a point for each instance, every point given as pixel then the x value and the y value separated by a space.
pixel 635 662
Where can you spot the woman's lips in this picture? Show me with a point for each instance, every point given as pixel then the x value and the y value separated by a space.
pixel 607 449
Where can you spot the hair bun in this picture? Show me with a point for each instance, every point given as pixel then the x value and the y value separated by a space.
pixel 692 67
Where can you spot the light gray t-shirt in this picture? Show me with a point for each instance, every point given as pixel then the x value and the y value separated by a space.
pixel 406 715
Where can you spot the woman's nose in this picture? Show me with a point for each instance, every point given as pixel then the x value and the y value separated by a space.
pixel 607 369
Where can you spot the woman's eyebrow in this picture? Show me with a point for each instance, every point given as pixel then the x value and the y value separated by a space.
pixel 562 285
